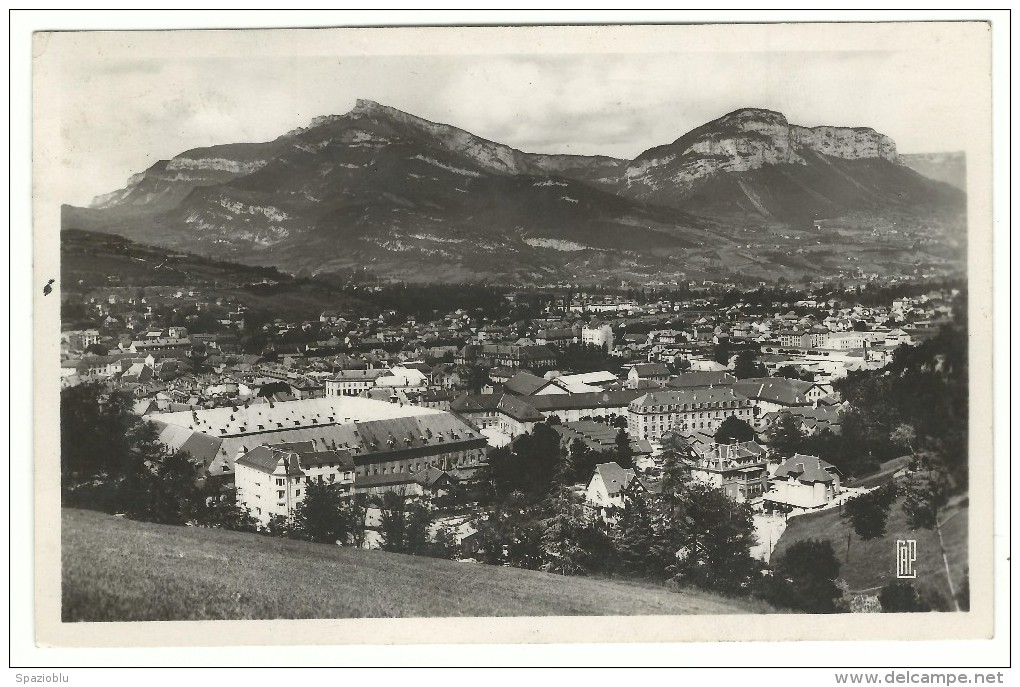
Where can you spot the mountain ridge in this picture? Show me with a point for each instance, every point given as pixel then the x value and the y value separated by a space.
pixel 386 189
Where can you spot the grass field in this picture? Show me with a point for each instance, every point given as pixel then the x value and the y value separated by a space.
pixel 885 473
pixel 872 564
pixel 116 569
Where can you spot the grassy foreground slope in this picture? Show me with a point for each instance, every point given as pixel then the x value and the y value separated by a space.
pixel 116 569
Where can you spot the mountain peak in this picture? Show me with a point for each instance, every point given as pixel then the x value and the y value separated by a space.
pixel 363 105
pixel 751 113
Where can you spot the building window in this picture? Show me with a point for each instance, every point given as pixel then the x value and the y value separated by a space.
pixel 279 494
pixel 279 482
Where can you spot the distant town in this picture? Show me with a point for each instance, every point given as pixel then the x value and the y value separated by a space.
pixel 576 402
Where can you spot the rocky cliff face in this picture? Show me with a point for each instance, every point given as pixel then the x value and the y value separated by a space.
pixel 845 143
pixel 745 140
pixel 168 182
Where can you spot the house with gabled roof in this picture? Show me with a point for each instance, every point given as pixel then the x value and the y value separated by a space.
pixel 810 420
pixel 560 337
pixel 654 372
pixel 701 380
pixel 509 414
pixel 524 383
pixel 607 489
pixel 803 482
pixel 430 481
pixel 599 437
pixel 773 394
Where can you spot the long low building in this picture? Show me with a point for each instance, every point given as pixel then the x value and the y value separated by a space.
pixel 514 415
pixel 599 437
pixel 381 438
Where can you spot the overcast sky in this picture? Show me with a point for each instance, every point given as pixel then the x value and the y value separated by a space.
pixel 119 115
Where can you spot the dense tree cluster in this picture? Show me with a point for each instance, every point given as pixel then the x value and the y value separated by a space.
pixel 900 596
pixel 111 460
pixel 746 365
pixel 586 358
pixel 427 300
pixel 529 465
pixel 868 513
pixel 734 430
pixel 917 403
pixel 327 516
pixel 684 532
pixel 804 579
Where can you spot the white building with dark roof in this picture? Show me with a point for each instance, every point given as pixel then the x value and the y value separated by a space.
pixel 773 394
pixel 608 485
pixel 803 482
pixel 271 479
pixel 654 372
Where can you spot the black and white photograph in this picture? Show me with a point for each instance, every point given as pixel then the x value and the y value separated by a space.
pixel 675 332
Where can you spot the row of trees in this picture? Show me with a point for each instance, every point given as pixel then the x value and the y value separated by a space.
pixel 405 525
pixel 586 358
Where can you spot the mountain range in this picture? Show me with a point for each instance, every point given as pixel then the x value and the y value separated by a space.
pixel 747 195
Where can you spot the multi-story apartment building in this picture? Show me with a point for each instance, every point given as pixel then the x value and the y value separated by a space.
pixel 652 415
pixel 598 334
pixel 814 337
pixel 507 355
pixel 271 479
pixel 738 469
pixel 354 382
pixel 160 344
